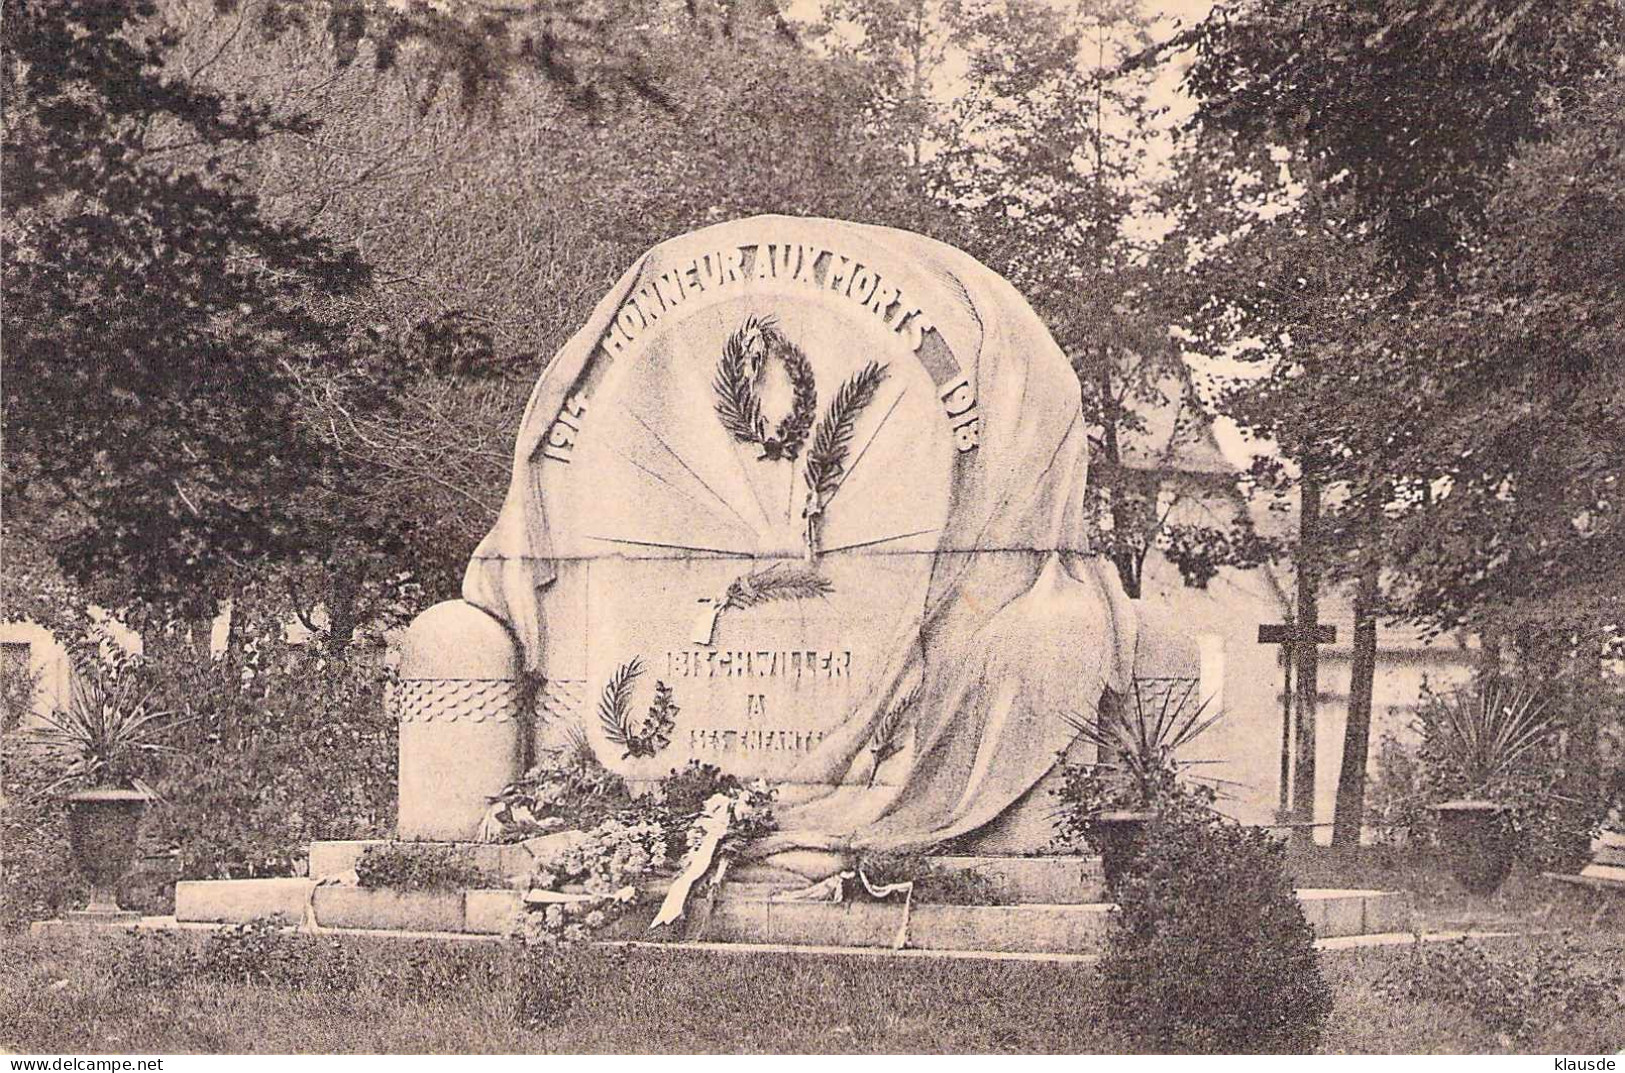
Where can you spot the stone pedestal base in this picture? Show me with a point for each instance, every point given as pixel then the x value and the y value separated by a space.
pixel 102 916
pixel 459 702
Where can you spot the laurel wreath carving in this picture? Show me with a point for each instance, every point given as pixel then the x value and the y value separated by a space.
pixel 739 375
pixel 887 740
pixel 653 732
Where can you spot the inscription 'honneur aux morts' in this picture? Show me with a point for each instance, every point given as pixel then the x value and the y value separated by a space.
pixel 822 269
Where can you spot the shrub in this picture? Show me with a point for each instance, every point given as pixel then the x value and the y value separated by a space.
pixel 1515 992
pixel 411 866
pixel 287 746
pixel 37 882
pixel 1397 809
pixel 1210 950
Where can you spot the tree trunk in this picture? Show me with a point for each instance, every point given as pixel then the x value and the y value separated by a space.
pixel 1308 660
pixel 1357 735
pixel 1489 655
pixel 342 596
pixel 1123 557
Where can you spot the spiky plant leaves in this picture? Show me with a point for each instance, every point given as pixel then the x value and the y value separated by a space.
pixel 1143 735
pixel 106 728
pixel 1491 733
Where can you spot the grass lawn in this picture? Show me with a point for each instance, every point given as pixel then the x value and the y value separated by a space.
pixel 77 996
pixel 145 993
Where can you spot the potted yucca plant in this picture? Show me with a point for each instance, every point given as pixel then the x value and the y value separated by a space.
pixel 1481 742
pixel 1137 772
pixel 103 737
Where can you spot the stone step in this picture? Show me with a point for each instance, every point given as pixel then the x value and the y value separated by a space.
pixel 1037 880
pixel 1609 850
pixel 236 901
pixel 747 917
pixel 1059 929
pixel 1018 880
pixel 329 859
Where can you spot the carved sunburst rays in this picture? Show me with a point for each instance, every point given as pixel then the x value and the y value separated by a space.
pixel 657 469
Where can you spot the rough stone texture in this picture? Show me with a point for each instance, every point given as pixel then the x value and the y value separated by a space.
pixel 1606 873
pixel 1354 912
pixel 1038 880
pixel 805 923
pixel 336 858
pixel 236 901
pixel 1386 912
pixel 739 917
pixel 1609 849
pixel 1062 929
pixel 459 706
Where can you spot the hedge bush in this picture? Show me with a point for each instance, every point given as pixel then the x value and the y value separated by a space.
pixel 1210 951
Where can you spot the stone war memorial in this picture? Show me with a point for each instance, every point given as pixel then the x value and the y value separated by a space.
pixel 803 500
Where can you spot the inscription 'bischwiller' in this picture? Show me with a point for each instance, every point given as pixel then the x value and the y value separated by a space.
pixel 759 663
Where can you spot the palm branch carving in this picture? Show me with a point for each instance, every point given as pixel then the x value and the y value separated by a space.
pixel 775 583
pixel 759 587
pixel 887 740
pixel 826 457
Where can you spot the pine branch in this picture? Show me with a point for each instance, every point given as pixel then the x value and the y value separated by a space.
pixel 826 458
pixel 774 583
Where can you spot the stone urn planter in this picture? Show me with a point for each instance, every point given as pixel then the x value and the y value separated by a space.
pixel 1477 843
pixel 102 828
pixel 1120 836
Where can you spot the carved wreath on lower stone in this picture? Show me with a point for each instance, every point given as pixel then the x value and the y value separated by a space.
pixel 641 737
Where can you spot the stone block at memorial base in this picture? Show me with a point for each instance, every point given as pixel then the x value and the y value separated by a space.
pixel 459 702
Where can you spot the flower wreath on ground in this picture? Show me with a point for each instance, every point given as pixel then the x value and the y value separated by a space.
pixel 594 843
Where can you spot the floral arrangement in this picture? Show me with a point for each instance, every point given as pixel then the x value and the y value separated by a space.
pixel 591 880
pixel 566 788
